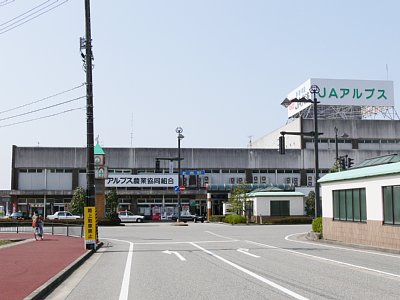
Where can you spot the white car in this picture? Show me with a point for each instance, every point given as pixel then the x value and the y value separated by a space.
pixel 63 215
pixel 127 216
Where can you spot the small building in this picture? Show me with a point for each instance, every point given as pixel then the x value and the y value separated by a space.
pixel 362 205
pixel 277 203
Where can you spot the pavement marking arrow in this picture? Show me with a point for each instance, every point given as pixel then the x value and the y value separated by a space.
pixel 246 251
pixel 176 253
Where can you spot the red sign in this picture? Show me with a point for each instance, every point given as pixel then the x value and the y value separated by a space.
pixel 182 188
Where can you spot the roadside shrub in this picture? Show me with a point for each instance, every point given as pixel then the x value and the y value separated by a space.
pixel 235 219
pixel 289 220
pixel 217 218
pixel 317 225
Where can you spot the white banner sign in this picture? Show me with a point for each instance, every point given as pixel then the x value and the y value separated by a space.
pixel 148 180
pixel 344 92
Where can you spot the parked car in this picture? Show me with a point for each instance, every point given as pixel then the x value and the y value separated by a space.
pixel 63 215
pixel 127 216
pixel 18 216
pixel 186 216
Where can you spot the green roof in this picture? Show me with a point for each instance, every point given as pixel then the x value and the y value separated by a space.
pixel 380 160
pixel 276 194
pixel 98 150
pixel 386 169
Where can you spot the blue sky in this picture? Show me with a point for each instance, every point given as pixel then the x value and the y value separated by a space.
pixel 217 68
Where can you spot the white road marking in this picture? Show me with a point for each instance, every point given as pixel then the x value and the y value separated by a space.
pixel 127 272
pixel 176 253
pixel 177 243
pixel 246 251
pixel 254 275
pixel 326 259
pixel 336 247
pixel 221 236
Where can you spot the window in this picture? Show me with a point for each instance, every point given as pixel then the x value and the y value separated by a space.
pixel 350 205
pixel 280 208
pixel 391 204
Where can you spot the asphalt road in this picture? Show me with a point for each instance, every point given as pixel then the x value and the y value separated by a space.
pixel 218 261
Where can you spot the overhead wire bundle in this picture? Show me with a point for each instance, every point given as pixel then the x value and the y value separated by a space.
pixel 29 15
pixel 33 111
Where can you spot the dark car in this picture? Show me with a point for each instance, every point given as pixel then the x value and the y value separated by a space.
pixel 186 216
pixel 18 216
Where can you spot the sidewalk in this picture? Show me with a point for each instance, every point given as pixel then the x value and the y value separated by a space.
pixel 31 268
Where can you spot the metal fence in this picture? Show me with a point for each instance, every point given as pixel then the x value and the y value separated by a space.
pixel 49 228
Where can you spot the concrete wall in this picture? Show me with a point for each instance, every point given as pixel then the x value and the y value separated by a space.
pixel 261 205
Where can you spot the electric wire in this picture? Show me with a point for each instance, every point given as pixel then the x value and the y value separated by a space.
pixel 43 108
pixel 43 99
pixel 19 23
pixel 27 12
pixel 6 2
pixel 43 117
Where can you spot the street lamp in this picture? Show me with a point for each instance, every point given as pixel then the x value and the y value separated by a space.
pixel 179 131
pixel 314 89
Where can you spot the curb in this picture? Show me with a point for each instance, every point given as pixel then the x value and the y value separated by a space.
pixel 46 288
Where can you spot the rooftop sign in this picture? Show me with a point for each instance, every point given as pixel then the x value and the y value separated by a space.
pixel 344 92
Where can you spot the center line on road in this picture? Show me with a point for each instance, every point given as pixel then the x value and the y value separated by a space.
pixel 254 275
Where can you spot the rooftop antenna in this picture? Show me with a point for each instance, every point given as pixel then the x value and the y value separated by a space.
pixel 132 131
pixel 250 143
pixel 387 72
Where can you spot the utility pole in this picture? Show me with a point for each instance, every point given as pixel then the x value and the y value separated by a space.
pixel 90 193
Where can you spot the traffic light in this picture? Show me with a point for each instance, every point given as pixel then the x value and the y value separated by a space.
pixel 350 162
pixel 157 166
pixel 282 144
pixel 342 163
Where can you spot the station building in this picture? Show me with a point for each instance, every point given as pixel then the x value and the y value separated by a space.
pixel 44 178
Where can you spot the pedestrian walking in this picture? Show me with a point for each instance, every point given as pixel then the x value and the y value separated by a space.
pixel 37 224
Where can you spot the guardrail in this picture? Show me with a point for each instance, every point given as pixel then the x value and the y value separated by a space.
pixel 49 228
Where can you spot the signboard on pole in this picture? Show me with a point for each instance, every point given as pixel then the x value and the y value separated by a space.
pixel 90 225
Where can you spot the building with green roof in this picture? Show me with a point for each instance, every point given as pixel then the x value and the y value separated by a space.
pixel 362 205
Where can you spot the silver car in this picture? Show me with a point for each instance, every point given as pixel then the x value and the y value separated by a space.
pixel 63 215
pixel 127 216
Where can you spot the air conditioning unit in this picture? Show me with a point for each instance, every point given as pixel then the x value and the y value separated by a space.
pixel 255 179
pixel 239 180
pixel 310 181
pixel 288 180
pixel 263 179
pixel 296 181
pixel 232 180
pixel 205 179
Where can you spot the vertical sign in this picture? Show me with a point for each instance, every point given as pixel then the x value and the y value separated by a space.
pixel 90 225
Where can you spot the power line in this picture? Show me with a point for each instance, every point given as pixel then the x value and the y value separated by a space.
pixel 43 99
pixel 44 117
pixel 19 23
pixel 6 2
pixel 43 108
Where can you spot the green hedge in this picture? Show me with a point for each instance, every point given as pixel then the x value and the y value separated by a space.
pixel 289 220
pixel 235 219
pixel 317 225
pixel 217 218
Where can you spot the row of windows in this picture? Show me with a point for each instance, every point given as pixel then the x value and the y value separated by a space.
pixel 391 204
pixel 363 141
pixel 45 170
pixel 350 205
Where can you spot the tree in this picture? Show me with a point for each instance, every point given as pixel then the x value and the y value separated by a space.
pixel 78 201
pixel 239 202
pixel 111 203
pixel 310 204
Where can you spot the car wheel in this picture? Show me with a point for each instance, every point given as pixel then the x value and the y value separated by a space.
pixel 139 220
